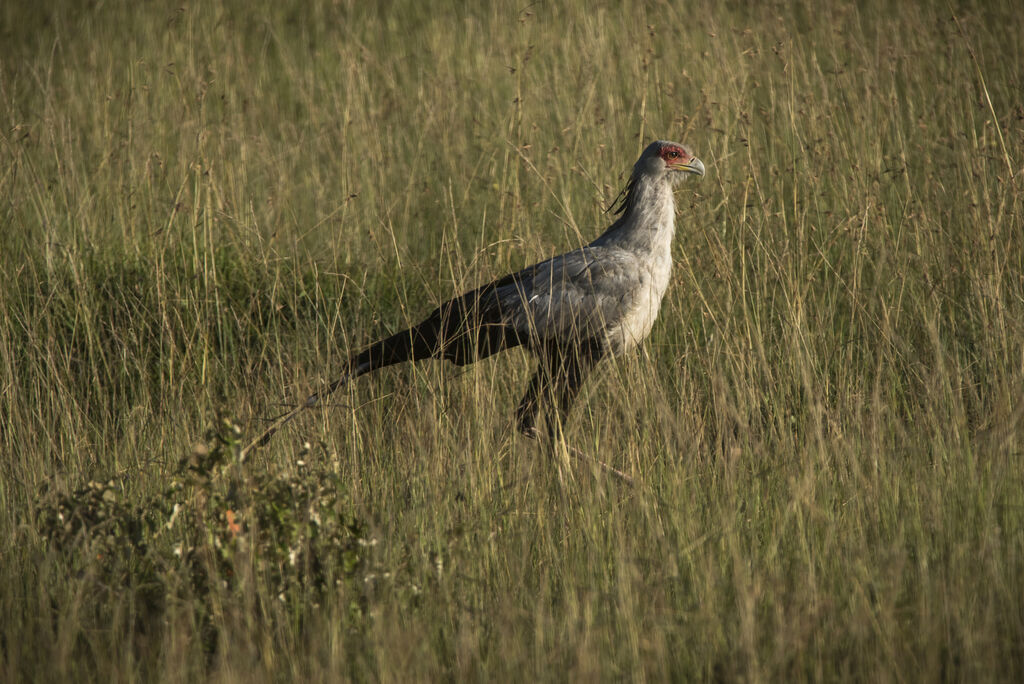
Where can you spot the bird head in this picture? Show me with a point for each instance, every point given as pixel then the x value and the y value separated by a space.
pixel 668 160
pixel 662 161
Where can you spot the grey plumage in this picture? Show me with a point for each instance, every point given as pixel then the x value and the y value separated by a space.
pixel 570 310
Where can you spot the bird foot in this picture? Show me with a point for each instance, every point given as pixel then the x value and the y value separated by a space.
pixel 611 470
pixel 533 433
pixel 530 432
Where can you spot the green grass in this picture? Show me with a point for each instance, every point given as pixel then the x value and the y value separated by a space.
pixel 205 209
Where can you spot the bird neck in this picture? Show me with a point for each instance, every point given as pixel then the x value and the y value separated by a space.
pixel 648 222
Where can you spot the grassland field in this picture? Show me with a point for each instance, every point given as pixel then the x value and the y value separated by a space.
pixel 204 207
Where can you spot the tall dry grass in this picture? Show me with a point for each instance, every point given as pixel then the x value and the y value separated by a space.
pixel 206 208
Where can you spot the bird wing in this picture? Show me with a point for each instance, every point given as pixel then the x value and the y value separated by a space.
pixel 580 294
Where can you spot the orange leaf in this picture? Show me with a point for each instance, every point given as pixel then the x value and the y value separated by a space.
pixel 232 522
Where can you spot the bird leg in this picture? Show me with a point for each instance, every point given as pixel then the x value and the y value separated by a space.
pixel 569 383
pixel 529 406
pixel 559 384
pixel 568 371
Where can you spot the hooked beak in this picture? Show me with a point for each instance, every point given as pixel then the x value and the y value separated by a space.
pixel 696 167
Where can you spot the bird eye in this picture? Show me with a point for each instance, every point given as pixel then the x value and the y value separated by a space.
pixel 672 154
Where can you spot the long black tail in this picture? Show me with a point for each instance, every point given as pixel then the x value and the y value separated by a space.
pixel 462 331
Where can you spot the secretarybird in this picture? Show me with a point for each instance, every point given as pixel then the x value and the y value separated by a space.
pixel 570 311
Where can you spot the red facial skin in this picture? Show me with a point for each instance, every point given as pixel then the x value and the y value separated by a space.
pixel 674 156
